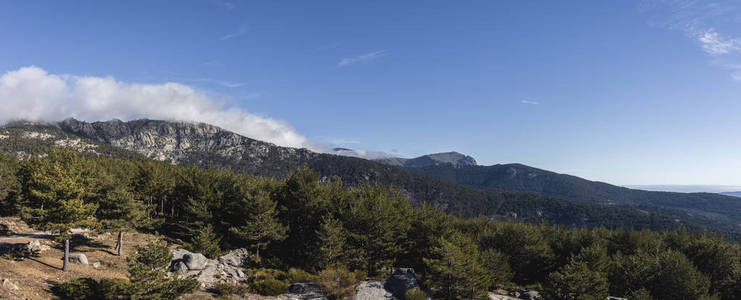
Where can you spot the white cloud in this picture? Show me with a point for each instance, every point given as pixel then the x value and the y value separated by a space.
pixel 736 75
pixel 714 44
pixel 712 24
pixel 226 5
pixel 362 58
pixel 31 93
pixel 529 102
pixel 242 31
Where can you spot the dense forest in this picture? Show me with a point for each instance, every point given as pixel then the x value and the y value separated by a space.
pixel 319 225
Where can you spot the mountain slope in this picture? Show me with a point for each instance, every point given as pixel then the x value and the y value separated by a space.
pixel 521 178
pixel 205 145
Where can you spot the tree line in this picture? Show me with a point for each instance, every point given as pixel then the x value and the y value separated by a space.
pixel 314 223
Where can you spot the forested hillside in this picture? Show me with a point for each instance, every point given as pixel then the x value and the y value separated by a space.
pixel 354 231
pixel 208 146
pixel 521 178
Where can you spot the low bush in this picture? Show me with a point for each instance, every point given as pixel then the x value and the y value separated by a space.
pixel 295 275
pixel 268 282
pixel 415 294
pixel 78 289
pixel 339 282
pixel 226 289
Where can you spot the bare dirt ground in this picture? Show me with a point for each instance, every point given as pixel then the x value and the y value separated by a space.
pixel 34 277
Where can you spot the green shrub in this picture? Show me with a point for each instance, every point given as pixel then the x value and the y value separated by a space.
pixel 295 275
pixel 115 288
pixel 78 289
pixel 339 282
pixel 226 289
pixel 270 287
pixel 268 282
pixel 415 294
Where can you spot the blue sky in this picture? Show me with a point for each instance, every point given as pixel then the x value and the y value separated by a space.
pixel 628 92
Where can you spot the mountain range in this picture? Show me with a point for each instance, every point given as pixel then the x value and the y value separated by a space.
pixel 451 181
pixel 734 194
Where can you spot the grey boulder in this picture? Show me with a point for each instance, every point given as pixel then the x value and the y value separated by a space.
pixel 195 261
pixel 372 290
pixel 77 258
pixel 236 258
pixel 401 281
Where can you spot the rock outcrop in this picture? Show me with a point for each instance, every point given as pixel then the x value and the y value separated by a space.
pixel 401 281
pixel 395 287
pixel 31 249
pixel 209 272
pixel 372 290
pixel 304 291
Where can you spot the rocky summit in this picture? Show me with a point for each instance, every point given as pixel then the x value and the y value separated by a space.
pixel 453 159
pixel 191 143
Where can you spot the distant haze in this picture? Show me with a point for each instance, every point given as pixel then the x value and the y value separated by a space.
pixel 687 188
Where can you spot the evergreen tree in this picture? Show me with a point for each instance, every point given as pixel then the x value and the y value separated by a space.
pixel 119 212
pixel 149 278
pixel 153 184
pixel 206 242
pixel 262 227
pixel 57 195
pixel 302 201
pixel 457 269
pixel 378 223
pixel 333 237
pixel 8 184
pixel 576 281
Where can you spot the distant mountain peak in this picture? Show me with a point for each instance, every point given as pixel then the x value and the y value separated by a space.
pixel 444 158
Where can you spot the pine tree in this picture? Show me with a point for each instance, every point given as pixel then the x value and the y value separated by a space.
pixel 576 281
pixel 262 226
pixel 457 269
pixel 57 196
pixel 149 278
pixel 119 212
pixel 153 184
pixel 8 184
pixel 206 242
pixel 333 237
pixel 378 223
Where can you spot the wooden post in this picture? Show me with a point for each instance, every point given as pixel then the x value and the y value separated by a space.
pixel 119 246
pixel 66 256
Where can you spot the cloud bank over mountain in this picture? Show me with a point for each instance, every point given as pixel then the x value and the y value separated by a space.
pixel 31 93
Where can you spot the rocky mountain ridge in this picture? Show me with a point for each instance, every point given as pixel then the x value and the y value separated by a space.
pixel 452 158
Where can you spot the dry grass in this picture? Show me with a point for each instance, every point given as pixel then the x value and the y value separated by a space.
pixel 36 276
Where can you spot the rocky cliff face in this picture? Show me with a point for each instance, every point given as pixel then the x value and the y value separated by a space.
pixel 192 143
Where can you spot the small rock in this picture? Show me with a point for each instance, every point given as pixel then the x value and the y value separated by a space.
pixel 495 296
pixel 9 285
pixel 96 264
pixel 77 258
pixel 304 288
pixel 530 294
